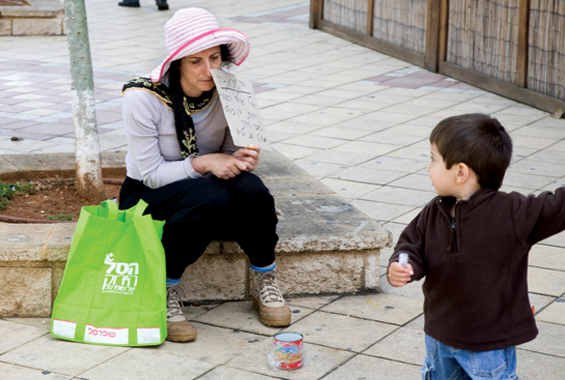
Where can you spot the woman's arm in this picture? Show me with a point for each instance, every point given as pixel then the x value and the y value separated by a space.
pixel 152 142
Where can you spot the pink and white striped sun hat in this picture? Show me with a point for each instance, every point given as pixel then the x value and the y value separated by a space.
pixel 192 30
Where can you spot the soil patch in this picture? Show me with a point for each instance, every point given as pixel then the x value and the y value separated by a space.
pixel 54 199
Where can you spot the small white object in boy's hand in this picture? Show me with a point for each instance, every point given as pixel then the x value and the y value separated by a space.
pixel 403 259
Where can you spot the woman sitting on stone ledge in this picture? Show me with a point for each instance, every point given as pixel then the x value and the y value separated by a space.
pixel 182 161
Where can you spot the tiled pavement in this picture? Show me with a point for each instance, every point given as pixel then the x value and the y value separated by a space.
pixel 355 119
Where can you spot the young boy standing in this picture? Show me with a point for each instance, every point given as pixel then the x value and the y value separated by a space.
pixel 471 243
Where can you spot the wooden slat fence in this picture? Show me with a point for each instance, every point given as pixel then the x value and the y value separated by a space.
pixel 512 47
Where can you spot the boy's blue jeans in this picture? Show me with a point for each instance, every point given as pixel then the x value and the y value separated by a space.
pixel 447 363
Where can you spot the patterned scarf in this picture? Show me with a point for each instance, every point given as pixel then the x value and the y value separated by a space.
pixel 185 128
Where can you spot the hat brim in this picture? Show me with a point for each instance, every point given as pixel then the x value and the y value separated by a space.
pixel 237 43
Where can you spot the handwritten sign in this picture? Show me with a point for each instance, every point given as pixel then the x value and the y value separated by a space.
pixel 241 109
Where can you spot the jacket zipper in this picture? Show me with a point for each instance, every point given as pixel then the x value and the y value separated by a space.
pixel 451 236
pixel 452 233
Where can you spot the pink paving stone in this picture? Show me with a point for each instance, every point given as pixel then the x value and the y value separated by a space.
pixel 403 85
pixel 7 123
pixel 8 94
pixel 102 130
pixel 426 75
pixel 443 83
pixel 12 101
pixel 52 129
pixel 107 96
pixel 51 93
pixel 260 89
pixel 14 109
pixel 104 117
pixel 419 81
pixel 381 78
pixel 45 85
pixel 464 86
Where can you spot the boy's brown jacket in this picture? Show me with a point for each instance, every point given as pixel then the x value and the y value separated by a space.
pixel 476 264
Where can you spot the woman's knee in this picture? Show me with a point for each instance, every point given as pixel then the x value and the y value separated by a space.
pixel 209 195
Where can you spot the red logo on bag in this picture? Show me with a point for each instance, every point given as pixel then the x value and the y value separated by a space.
pixel 95 332
pixel 105 335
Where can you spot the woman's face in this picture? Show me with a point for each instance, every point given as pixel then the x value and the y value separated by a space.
pixel 195 75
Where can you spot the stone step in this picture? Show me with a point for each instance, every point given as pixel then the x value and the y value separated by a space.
pixel 32 17
pixel 326 245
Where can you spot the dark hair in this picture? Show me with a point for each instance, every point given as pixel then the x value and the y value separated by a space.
pixel 479 141
pixel 227 59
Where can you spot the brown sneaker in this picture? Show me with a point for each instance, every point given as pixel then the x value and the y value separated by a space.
pixel 178 327
pixel 268 300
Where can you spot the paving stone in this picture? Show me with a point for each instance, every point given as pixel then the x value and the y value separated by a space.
pixel 310 302
pixel 405 345
pixel 546 281
pixel 222 373
pixel 315 141
pixel 370 368
pixel 414 181
pixel 378 307
pixel 554 313
pixel 319 169
pixel 533 365
pixel 409 216
pixel 293 151
pixel 396 164
pixel 406 197
pixel 13 372
pixel 381 212
pixel 527 181
pixel 339 331
pixel 242 316
pixel 214 345
pixel 539 301
pixel 16 334
pixel 342 133
pixel 147 364
pixel 41 323
pixel 412 290
pixel 555 240
pixel 67 358
pixel 335 156
pixel 547 256
pixel 549 341
pixel 368 175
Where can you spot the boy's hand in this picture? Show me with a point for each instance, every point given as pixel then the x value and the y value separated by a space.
pixel 399 275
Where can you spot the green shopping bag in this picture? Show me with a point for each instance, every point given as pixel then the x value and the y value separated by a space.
pixel 113 289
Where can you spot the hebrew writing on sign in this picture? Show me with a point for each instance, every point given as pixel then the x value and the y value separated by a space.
pixel 241 109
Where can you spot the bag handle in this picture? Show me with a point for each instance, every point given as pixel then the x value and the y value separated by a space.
pixel 112 209
pixel 140 208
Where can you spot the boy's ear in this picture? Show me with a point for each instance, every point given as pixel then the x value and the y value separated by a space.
pixel 463 172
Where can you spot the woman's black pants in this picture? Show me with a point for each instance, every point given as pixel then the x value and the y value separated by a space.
pixel 198 211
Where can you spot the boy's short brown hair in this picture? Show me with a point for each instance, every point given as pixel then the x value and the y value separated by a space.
pixel 479 141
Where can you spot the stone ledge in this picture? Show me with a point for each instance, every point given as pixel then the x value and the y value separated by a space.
pixel 326 245
pixel 41 17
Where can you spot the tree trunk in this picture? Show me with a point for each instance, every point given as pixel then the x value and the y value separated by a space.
pixel 87 143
